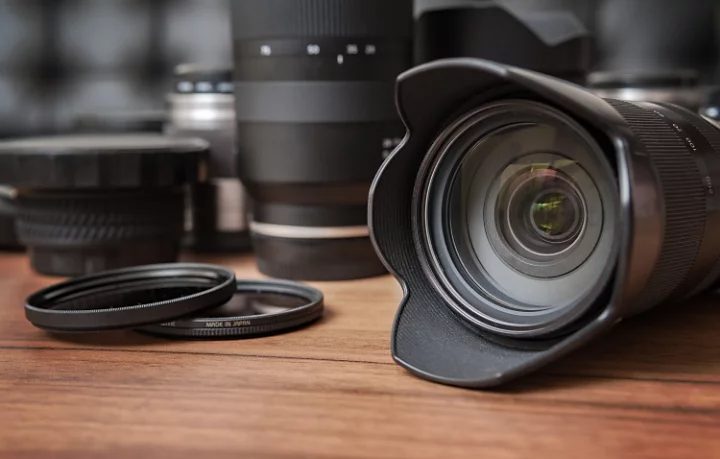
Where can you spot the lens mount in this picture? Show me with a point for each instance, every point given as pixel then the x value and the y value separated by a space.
pixel 480 209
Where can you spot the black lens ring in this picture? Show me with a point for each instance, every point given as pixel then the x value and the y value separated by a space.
pixel 249 326
pixel 89 292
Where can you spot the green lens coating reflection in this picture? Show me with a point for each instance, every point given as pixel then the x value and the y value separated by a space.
pixel 553 214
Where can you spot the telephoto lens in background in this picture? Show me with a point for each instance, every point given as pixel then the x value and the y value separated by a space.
pixel 670 55
pixel 679 87
pixel 314 83
pixel 202 105
pixel 551 42
pixel 89 203
pixel 525 216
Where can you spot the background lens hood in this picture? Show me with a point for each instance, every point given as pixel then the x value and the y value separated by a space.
pixel 428 338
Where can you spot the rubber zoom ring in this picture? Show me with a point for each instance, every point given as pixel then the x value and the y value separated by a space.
pixel 321 18
pixel 685 208
pixel 98 218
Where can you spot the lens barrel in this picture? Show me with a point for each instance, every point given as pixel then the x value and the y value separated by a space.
pixel 202 105
pixel 526 216
pixel 314 82
pixel 684 150
pixel 90 203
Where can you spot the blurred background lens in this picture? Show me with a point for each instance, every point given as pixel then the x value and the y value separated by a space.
pixel 659 50
pixel 314 88
pixel 551 42
pixel 64 62
pixel 88 203
pixel 202 105
pixel 680 87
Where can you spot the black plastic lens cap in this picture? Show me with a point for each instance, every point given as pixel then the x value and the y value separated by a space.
pixel 91 161
pixel 130 297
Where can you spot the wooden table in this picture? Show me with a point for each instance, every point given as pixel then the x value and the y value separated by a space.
pixel 650 389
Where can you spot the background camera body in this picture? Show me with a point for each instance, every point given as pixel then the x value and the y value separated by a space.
pixel 430 338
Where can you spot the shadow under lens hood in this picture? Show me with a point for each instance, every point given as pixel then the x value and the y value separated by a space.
pixel 428 338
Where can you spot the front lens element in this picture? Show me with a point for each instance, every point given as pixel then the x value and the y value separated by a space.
pixel 554 215
pixel 540 210
pixel 521 215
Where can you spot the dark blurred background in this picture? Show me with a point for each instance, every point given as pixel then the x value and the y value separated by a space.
pixel 64 59
pixel 60 59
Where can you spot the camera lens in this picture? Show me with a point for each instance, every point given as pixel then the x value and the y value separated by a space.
pixel 88 203
pixel 526 216
pixel 520 212
pixel 202 105
pixel 314 82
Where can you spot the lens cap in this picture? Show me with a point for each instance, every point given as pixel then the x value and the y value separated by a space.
pixel 130 297
pixel 258 308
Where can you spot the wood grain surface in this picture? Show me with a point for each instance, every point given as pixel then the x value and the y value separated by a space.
pixel 649 389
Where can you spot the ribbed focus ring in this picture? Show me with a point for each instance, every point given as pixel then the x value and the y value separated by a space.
pixel 253 19
pixel 684 200
pixel 96 218
pixel 712 135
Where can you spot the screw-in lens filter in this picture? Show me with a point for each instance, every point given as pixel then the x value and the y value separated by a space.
pixel 130 297
pixel 258 308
